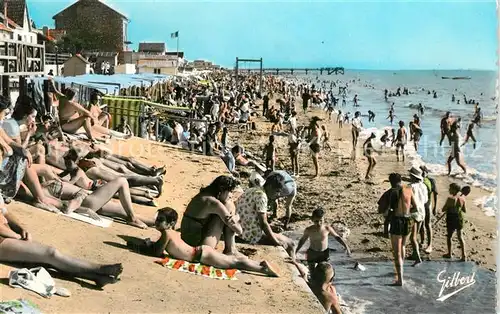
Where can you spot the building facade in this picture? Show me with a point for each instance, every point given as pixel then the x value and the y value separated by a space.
pixel 92 18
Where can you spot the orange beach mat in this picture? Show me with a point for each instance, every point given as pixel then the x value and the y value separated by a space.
pixel 198 269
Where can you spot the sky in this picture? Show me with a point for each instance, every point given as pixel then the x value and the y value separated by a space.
pixel 375 35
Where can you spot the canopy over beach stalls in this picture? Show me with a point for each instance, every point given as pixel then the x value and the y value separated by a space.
pixel 127 97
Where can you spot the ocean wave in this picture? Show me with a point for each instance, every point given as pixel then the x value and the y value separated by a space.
pixel 473 177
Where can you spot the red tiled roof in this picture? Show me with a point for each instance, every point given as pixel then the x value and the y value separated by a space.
pixel 11 22
pixel 4 28
pixel 15 10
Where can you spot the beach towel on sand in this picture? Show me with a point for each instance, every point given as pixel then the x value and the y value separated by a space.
pixel 198 269
pixel 19 307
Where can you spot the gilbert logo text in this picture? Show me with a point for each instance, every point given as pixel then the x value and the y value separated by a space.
pixel 453 284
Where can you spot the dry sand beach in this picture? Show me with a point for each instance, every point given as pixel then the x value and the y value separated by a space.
pixel 146 287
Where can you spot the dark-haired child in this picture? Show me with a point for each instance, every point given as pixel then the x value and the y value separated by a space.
pixel 170 243
pixel 270 153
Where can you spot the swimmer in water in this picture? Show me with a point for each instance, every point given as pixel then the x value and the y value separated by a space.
pixel 371 116
pixel 391 116
pixel 470 135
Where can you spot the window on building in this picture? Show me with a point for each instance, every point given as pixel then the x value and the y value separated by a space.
pixel 157 71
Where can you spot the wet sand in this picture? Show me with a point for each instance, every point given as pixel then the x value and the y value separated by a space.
pixel 352 201
pixel 146 287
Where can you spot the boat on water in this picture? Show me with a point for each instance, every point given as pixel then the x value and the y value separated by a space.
pixel 455 77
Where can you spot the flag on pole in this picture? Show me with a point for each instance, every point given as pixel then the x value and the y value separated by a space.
pixel 174 35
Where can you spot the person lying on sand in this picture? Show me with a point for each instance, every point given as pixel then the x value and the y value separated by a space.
pixel 321 284
pixel 170 243
pixel 317 234
pixel 16 246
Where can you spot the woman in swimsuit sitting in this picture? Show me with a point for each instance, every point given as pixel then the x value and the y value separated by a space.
pixel 210 214
pixel 16 246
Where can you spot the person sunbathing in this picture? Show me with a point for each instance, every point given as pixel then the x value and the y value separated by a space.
pixel 130 163
pixel 170 243
pixel 73 116
pixel 16 246
pixel 71 198
pixel 73 174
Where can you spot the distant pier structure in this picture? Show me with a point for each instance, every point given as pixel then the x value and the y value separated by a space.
pixel 278 71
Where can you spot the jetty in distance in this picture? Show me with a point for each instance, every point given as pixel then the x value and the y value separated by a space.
pixel 277 71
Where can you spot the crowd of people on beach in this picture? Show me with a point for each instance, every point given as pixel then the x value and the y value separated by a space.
pixel 44 166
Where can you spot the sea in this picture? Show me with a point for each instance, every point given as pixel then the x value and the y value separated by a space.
pixel 364 285
pixel 480 162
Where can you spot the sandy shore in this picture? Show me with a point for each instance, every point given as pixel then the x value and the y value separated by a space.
pixel 146 287
pixel 342 191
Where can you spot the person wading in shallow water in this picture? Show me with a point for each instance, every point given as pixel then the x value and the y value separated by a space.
pixel 418 212
pixel 445 127
pixel 400 224
pixel 400 140
pixel 455 153
pixel 432 194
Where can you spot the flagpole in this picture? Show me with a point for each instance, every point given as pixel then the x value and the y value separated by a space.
pixel 177 54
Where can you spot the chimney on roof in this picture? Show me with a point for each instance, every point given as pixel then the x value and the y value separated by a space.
pixel 5 18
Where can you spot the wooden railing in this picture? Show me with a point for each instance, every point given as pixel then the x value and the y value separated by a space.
pixel 50 58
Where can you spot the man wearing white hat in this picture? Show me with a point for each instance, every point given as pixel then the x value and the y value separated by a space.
pixel 418 214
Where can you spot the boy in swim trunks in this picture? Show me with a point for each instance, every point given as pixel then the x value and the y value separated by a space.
pixel 318 240
pixel 325 138
pixel 170 243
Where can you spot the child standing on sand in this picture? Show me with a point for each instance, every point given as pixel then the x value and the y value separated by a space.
pixel 368 151
pixel 270 153
pixel 223 139
pixel 318 240
pixel 340 119
pixel 325 138
pixel 293 148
